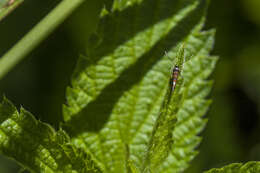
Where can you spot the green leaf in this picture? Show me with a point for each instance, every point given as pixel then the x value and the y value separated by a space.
pixel 119 86
pixel 7 6
pixel 249 167
pixel 162 140
pixel 37 146
pixel 193 103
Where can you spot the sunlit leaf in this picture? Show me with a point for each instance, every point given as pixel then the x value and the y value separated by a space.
pixel 119 86
pixel 37 146
pixel 249 167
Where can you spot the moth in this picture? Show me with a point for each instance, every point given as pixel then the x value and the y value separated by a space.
pixel 175 76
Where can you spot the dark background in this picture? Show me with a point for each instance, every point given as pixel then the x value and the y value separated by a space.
pixel 38 83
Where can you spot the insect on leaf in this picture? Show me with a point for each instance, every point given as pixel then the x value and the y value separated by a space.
pixel 119 86
pixel 162 140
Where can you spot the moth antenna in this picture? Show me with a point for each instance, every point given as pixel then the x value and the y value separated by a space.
pixel 183 63
pixel 167 55
pixel 184 60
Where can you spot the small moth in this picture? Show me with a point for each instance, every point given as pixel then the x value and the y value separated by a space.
pixel 174 78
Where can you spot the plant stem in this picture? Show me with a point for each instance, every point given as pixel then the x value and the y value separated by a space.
pixel 37 34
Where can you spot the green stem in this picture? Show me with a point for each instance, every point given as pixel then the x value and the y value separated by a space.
pixel 37 34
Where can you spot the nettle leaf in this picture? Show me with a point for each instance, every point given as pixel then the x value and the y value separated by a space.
pixel 119 87
pixel 249 167
pixel 193 104
pixel 37 146
pixel 7 6
pixel 162 139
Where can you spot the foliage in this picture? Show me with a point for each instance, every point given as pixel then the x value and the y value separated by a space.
pixel 249 167
pixel 122 114
pixel 37 146
pixel 118 87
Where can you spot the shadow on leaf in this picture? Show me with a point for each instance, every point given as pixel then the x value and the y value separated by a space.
pixel 93 117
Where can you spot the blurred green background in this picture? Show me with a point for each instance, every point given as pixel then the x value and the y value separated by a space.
pixel 39 82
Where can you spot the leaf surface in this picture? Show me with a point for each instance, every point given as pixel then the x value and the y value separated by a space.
pixel 37 146
pixel 119 86
pixel 193 106
pixel 249 167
